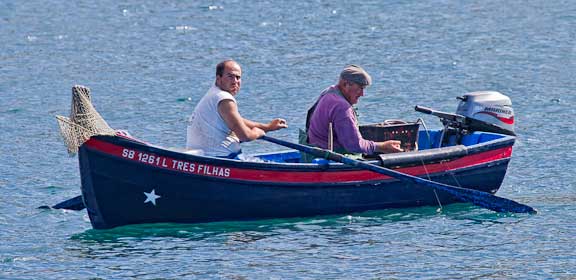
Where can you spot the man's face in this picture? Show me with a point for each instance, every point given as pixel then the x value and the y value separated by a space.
pixel 352 92
pixel 231 78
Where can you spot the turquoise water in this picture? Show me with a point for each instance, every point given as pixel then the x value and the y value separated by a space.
pixel 149 62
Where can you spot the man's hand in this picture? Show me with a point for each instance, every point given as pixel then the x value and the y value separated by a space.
pixel 276 124
pixel 390 146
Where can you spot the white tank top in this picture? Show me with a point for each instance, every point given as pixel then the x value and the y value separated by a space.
pixel 207 131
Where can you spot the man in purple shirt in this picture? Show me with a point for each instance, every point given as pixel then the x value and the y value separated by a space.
pixel 335 106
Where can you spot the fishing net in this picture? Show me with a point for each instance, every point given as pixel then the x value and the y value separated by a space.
pixel 84 121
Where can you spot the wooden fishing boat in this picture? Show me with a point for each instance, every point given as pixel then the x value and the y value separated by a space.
pixel 127 181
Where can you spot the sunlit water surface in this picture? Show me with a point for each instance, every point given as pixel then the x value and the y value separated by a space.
pixel 149 62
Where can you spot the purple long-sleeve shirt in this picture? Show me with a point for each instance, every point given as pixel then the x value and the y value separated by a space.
pixel 333 107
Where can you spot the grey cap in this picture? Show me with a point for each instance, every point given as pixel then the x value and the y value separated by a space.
pixel 354 73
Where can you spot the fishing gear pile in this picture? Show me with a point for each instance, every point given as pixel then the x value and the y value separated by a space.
pixel 84 121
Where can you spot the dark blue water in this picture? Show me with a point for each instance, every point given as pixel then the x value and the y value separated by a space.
pixel 149 62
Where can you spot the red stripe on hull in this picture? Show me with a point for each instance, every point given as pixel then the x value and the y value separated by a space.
pixel 287 176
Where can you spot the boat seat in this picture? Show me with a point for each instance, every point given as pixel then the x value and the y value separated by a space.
pixel 195 152
pixel 185 151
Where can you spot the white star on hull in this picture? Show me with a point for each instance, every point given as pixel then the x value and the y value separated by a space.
pixel 151 197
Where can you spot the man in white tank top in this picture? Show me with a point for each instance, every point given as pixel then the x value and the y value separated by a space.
pixel 216 127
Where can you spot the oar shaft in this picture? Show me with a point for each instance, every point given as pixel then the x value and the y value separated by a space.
pixel 478 198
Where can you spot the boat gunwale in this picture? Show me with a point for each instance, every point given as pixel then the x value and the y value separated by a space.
pixel 502 141
pixel 415 157
pixel 318 184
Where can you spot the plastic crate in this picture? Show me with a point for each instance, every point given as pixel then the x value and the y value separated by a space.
pixel 406 132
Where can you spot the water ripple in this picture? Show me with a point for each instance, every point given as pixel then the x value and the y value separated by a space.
pixel 148 63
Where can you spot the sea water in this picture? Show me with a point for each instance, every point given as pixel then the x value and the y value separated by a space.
pixel 149 62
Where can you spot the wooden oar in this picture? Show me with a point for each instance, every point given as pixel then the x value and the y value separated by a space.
pixel 478 198
pixel 75 203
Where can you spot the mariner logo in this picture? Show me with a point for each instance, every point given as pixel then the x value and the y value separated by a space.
pixel 498 110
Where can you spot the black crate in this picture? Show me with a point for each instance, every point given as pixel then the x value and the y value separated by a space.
pixel 406 132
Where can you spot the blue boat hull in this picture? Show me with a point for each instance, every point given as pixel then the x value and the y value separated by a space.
pixel 119 190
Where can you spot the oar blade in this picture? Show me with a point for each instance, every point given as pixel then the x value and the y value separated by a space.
pixel 479 198
pixel 489 201
pixel 75 203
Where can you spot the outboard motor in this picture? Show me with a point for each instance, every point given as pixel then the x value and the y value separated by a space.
pixel 488 111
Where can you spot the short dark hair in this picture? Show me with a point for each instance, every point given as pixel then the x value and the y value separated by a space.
pixel 220 67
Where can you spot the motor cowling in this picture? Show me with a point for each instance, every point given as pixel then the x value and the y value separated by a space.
pixel 488 111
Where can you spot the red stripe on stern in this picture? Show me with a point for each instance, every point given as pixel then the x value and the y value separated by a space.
pixel 509 120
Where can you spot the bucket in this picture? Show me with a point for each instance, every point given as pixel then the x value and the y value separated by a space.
pixel 406 132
